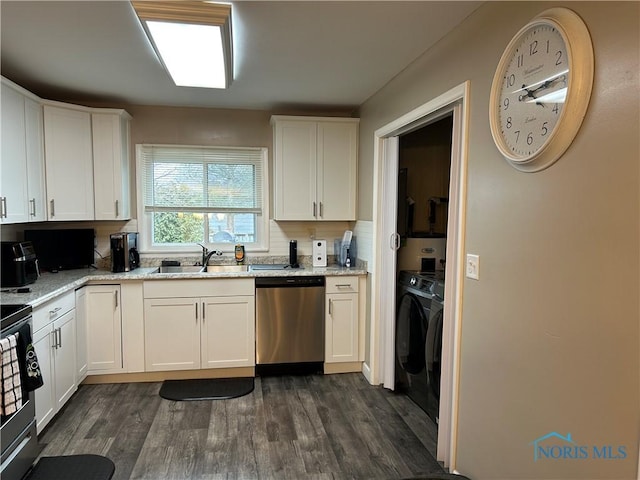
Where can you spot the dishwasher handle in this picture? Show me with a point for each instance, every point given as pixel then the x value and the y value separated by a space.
pixel 285 282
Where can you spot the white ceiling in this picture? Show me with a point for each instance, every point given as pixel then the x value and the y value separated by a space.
pixel 291 54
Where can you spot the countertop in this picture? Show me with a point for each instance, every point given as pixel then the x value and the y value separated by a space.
pixel 50 285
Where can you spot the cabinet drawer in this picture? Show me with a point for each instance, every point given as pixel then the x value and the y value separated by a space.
pixel 53 309
pixel 341 284
pixel 199 288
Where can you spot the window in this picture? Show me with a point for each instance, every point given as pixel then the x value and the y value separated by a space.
pixel 212 195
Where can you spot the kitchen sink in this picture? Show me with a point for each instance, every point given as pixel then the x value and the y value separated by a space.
pixel 227 268
pixel 198 268
pixel 179 269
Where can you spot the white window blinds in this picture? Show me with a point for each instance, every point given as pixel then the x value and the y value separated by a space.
pixel 202 179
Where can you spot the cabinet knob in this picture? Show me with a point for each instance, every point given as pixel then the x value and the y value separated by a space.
pixel 52 207
pixel 33 207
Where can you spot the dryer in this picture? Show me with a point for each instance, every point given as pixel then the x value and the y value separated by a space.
pixel 418 341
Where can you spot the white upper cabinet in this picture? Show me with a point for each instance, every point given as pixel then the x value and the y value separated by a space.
pixel 86 152
pixel 69 163
pixel 35 160
pixel 315 166
pixel 22 195
pixel 111 164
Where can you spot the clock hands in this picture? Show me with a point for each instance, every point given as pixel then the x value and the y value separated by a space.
pixel 531 93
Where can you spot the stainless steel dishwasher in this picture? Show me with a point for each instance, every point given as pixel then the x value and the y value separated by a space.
pixel 289 322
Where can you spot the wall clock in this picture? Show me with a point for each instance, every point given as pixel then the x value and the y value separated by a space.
pixel 541 89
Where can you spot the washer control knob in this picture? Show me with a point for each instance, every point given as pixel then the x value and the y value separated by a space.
pixel 413 281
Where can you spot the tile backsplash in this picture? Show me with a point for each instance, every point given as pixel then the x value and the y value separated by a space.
pixel 280 233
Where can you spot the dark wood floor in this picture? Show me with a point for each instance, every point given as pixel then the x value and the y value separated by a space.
pixel 290 427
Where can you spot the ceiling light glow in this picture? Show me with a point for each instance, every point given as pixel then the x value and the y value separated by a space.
pixel 193 54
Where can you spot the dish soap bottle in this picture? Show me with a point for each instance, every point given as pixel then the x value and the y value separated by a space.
pixel 239 252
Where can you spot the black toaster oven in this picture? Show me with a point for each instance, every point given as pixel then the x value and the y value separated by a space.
pixel 19 264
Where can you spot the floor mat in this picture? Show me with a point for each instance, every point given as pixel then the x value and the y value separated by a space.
pixel 73 467
pixel 439 476
pixel 206 388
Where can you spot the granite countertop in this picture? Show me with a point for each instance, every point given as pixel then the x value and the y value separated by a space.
pixel 50 285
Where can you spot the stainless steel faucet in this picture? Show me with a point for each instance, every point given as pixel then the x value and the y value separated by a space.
pixel 206 256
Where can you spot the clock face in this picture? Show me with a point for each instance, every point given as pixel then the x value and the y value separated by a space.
pixel 533 92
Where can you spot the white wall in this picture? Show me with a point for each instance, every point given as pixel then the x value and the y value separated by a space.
pixel 550 337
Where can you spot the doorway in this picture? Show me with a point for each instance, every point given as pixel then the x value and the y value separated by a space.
pixel 387 241
pixel 424 161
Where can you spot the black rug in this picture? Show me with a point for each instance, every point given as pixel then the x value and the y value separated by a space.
pixel 206 388
pixel 73 467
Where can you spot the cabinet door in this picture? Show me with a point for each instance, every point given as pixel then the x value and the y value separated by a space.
pixel 69 164
pixel 13 166
pixel 295 170
pixel 172 334
pixel 81 334
pixel 228 332
pixel 64 358
pixel 33 120
pixel 104 329
pixel 337 163
pixel 341 334
pixel 45 395
pixel 111 166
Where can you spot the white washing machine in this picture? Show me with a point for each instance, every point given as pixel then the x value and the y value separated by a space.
pixel 422 254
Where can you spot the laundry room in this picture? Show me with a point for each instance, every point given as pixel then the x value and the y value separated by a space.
pixel 423 196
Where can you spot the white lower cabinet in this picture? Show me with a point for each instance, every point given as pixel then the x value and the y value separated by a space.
pixel 227 332
pixel 81 334
pixel 55 345
pixel 45 404
pixel 104 329
pixel 172 334
pixel 342 320
pixel 215 329
pixel 64 358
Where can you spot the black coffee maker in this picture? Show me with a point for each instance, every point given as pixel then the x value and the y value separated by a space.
pixel 124 251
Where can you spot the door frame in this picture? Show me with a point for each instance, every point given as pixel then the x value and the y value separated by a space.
pixel 385 241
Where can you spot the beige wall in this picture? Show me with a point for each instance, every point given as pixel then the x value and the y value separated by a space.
pixel 550 331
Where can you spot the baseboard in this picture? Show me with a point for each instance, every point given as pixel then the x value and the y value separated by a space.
pixel 366 371
pixel 170 375
pixel 346 367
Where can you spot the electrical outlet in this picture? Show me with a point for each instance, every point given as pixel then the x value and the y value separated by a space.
pixel 473 266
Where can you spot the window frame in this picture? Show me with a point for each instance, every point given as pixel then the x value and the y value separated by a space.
pixel 145 223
